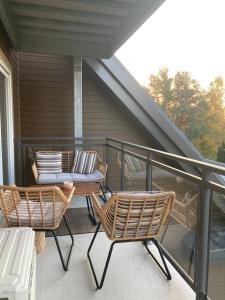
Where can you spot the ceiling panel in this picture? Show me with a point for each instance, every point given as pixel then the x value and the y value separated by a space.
pixel 94 28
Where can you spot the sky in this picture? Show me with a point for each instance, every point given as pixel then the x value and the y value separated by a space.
pixel 181 35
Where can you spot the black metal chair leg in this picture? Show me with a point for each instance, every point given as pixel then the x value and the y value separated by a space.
pixel 91 210
pixel 165 271
pixel 103 197
pixel 65 265
pixel 99 286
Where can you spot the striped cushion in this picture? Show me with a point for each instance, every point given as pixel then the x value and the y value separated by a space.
pixel 134 164
pixel 84 162
pixel 23 217
pixel 49 162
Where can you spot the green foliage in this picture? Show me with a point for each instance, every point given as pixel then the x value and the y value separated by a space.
pixel 199 113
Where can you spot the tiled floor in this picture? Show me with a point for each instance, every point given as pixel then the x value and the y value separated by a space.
pixel 132 274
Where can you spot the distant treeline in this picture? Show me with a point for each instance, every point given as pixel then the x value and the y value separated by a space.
pixel 199 113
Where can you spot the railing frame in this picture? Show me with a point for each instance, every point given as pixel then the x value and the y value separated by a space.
pixel 202 176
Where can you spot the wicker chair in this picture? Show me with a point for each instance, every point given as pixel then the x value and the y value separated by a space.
pixel 41 208
pixel 128 217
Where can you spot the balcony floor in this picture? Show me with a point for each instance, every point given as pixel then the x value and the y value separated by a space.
pixel 132 273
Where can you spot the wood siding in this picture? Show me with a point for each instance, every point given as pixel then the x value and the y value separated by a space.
pixel 104 115
pixel 46 91
pixel 11 55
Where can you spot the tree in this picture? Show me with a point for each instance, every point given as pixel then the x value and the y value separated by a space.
pixel 200 114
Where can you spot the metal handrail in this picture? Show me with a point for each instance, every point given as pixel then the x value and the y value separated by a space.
pixel 203 178
pixel 206 186
pixel 174 157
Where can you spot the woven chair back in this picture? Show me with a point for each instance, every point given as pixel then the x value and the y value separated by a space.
pixel 137 215
pixel 39 208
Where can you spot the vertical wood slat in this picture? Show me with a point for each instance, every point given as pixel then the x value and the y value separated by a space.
pixel 140 218
pixel 41 206
pixel 128 217
pixel 153 216
pixel 16 207
pixel 4 208
pixel 28 206
pixel 114 219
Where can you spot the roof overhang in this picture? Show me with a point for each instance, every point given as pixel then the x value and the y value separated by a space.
pixel 93 28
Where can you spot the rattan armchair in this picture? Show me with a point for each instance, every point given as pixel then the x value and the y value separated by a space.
pixel 41 208
pixel 132 216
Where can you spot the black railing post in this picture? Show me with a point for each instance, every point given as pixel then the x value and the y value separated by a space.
pixel 122 168
pixel 203 240
pixel 149 172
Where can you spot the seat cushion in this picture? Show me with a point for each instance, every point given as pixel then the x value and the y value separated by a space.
pixel 51 214
pixel 96 176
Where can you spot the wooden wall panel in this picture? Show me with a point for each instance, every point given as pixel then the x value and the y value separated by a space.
pixel 46 91
pixel 104 115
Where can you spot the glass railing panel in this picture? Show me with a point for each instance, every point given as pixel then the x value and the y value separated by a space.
pixel 216 285
pixel 178 234
pixel 135 174
pixel 114 169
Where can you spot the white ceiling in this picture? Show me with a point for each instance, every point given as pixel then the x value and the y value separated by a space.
pixel 95 28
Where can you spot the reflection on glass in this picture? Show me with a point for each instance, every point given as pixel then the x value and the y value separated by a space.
pixel 113 172
pixel 179 234
pixel 135 173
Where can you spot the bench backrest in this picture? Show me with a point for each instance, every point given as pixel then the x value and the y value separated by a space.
pixel 68 159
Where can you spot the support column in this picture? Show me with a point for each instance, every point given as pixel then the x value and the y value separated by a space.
pixel 78 118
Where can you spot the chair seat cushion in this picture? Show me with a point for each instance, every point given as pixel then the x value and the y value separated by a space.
pixel 36 215
pixel 96 176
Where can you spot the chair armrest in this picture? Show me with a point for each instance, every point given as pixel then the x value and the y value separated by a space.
pixel 71 194
pixel 35 171
pixel 65 199
pixel 102 167
pixel 96 204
